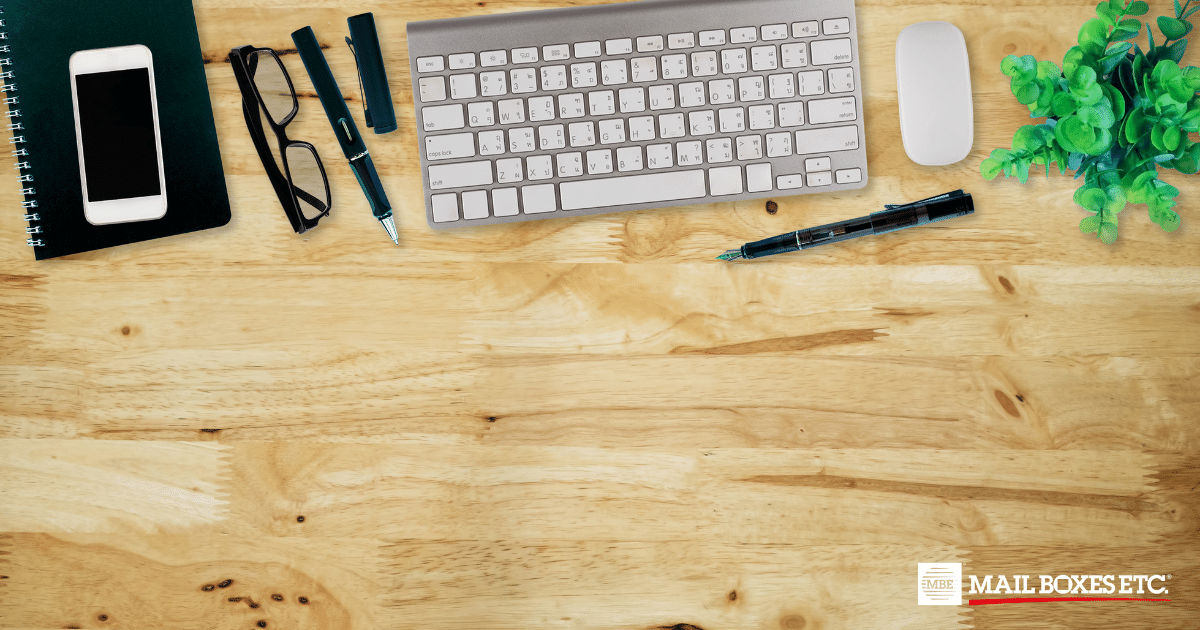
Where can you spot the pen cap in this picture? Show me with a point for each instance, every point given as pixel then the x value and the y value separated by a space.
pixel 328 92
pixel 377 94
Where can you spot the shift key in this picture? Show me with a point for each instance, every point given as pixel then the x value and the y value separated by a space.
pixel 829 110
pixel 445 176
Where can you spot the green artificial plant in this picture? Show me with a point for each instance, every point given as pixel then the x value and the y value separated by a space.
pixel 1114 115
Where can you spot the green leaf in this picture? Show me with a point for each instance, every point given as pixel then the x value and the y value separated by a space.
pixel 1105 11
pixel 1108 233
pixel 1090 224
pixel 1191 11
pixel 990 168
pixel 1171 28
pixel 1072 61
pixel 1093 36
pixel 1156 138
pixel 1027 93
pixel 1189 162
pixel 1150 37
pixel 1171 138
pixel 1093 199
pixel 1133 125
pixel 1175 51
pixel 1138 7
pixel 1064 104
pixel 1117 100
pixel 1178 9
pixel 1011 65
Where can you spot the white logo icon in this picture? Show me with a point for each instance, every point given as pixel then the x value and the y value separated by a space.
pixel 939 583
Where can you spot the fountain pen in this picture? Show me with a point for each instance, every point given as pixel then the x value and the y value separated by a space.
pixel 892 218
pixel 344 128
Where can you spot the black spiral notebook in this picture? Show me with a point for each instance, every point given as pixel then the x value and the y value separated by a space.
pixel 37 39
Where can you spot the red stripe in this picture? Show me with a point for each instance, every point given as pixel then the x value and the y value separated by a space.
pixel 1040 600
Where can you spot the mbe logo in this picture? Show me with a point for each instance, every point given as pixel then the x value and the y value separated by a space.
pixel 939 583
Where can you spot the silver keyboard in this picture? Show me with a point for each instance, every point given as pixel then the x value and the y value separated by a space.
pixel 608 108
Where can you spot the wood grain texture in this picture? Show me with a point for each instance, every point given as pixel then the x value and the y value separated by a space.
pixel 589 423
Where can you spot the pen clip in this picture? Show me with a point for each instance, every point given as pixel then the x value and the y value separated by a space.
pixel 346 128
pixel 361 90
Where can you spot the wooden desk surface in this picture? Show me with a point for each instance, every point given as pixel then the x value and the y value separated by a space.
pixel 591 423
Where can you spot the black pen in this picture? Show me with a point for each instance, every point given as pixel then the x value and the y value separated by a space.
pixel 344 127
pixel 947 206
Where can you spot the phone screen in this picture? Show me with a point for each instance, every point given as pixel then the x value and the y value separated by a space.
pixel 116 121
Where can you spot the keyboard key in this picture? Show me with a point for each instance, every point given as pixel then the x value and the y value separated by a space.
pixel 762 117
pixel 653 43
pixel 602 103
pixel 826 140
pixel 726 180
pixel 704 64
pixel 689 153
pixel 475 205
pixel 464 61
pixel 779 145
pixel 587 49
pixel 702 123
pixel 539 199
pixel 719 150
pixel 433 89
pixel 539 167
pixel 812 165
pixel 832 110
pixel 445 208
pixel 480 114
pixel 525 55
pixel 552 137
pixel 430 64
pixel 557 52
pixel 632 100
pixel 848 176
pixel 811 83
pixel 720 91
pixel 554 78
pixel 504 202
pixel 819 179
pixel 758 178
pixel 443 117
pixel 671 126
pixel 805 29
pixel 782 85
pixel 612 131
pixel 643 69
pixel 509 171
pixel 830 51
pixel 512 111
pixel 613 72
pixel 583 134
pixel 659 156
pixel 493 58
pixel 493 83
pixel 712 38
pixel 491 142
pixel 752 89
pixel 523 80
pixel 691 94
pixel 841 80
pixel 789 182
pixel 641 128
pixel 679 41
pixel 763 58
pixel 836 26
pixel 571 106
pixel 462 86
pixel 773 32
pixel 633 189
pixel 541 108
pixel 569 164
pixel 662 97
pixel 749 148
pixel 733 119
pixel 521 140
pixel 618 46
pixel 629 159
pixel 791 114
pixel 674 66
pixel 461 175
pixel 743 35
pixel 583 75
pixel 733 60
pixel 794 55
pixel 600 162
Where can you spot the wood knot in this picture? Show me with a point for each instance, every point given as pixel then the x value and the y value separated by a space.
pixel 772 207
pixel 303 600
pixel 207 587
pixel 277 597
pixel 793 622
pixel 225 584
pixel 732 596
pixel 1009 406
pixel 1007 284
pixel 125 330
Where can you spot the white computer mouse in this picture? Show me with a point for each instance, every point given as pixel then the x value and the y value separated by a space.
pixel 933 78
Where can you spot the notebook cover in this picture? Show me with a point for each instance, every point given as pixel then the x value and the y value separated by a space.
pixel 42 35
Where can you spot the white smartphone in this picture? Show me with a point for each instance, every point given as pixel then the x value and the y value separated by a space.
pixel 116 127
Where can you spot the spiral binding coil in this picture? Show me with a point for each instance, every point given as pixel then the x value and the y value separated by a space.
pixel 20 152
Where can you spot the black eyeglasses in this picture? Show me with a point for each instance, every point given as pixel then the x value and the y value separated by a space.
pixel 268 95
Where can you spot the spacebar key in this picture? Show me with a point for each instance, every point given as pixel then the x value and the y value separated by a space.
pixel 635 189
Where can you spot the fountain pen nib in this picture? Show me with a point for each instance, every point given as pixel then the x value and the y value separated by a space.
pixel 733 254
pixel 390 226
